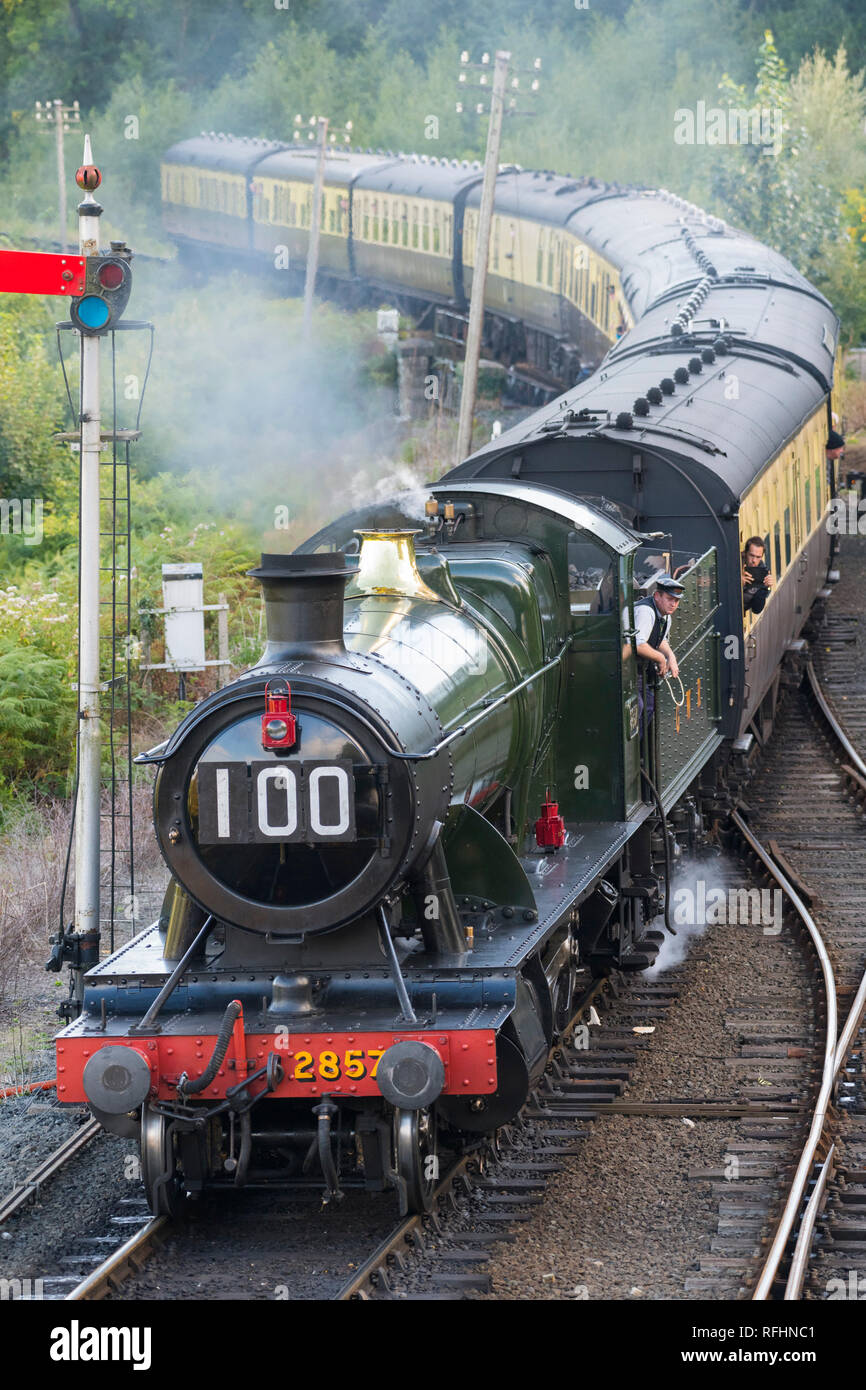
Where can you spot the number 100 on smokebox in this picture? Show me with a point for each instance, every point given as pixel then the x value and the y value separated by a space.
pixel 262 802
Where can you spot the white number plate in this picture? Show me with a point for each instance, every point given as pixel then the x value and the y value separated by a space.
pixel 273 802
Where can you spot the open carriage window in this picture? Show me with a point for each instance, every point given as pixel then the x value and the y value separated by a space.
pixel 591 578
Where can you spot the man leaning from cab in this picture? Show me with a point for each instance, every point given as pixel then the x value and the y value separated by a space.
pixel 652 621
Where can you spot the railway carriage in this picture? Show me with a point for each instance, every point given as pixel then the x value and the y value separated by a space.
pixel 706 422
pixel 562 296
pixel 206 194
pixel 282 202
pixel 432 811
pixel 407 226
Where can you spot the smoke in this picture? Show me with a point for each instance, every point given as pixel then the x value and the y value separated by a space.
pixel 400 488
pixel 279 425
pixel 689 886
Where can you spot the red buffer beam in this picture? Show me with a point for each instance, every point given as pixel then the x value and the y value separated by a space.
pixel 40 272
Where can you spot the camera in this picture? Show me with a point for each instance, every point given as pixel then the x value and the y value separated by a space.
pixel 758 572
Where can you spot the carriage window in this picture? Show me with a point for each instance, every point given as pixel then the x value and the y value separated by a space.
pixel 787 536
pixel 808 491
pixel 385 219
pixel 425 239
pixel 550 263
pixel 405 221
pixel 415 227
pixel 436 237
pixel 777 548
pixel 539 260
pixel 591 585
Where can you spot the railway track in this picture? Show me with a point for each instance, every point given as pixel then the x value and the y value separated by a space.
pixel 819 1244
pixel 29 1189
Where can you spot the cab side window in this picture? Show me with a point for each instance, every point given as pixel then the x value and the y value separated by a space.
pixel 591 580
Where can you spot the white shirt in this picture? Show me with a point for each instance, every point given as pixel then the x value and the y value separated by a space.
pixel 644 621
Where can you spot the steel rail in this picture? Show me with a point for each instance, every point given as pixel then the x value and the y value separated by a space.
pixel 794 1200
pixel 27 1190
pixel 841 1047
pixel 402 1235
pixel 833 721
pixel 410 1225
pixel 797 1272
pixel 126 1260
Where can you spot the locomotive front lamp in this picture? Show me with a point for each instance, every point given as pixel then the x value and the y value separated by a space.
pixel 279 725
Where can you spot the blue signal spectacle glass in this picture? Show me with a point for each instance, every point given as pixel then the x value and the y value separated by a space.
pixel 93 312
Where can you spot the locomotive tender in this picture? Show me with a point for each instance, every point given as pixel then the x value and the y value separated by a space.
pixel 431 811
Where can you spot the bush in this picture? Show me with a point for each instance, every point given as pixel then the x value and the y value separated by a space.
pixel 37 714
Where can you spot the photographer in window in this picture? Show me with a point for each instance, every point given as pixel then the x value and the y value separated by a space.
pixel 757 580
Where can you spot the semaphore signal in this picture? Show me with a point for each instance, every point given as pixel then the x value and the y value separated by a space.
pixel 97 286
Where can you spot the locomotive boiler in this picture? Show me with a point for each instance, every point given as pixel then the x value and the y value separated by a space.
pixel 397 845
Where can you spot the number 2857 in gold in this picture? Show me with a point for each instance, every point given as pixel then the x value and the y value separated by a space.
pixel 353 1065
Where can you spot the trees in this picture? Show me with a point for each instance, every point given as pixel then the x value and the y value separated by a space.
pixel 792 194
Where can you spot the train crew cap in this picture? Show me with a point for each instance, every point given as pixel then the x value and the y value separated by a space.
pixel 835 440
pixel 670 585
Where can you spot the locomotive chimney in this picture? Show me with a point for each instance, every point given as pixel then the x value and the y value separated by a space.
pixel 303 606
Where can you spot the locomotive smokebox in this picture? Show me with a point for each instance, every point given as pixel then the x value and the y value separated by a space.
pixel 303 606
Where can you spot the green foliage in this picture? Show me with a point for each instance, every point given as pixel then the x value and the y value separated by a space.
pixel 37 713
pixel 30 404
pixel 796 196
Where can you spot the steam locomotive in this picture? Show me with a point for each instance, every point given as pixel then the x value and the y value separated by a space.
pixel 434 810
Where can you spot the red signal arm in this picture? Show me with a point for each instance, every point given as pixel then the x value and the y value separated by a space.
pixel 41 272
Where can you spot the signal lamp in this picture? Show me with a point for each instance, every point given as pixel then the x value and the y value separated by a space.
pixel 107 285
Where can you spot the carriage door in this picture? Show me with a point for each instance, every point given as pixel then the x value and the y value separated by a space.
pixel 799 539
pixel 510 270
pixel 559 285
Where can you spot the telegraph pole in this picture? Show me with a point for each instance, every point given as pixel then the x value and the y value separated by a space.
pixel 482 250
pixel 315 226
pixel 87 809
pixel 62 117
